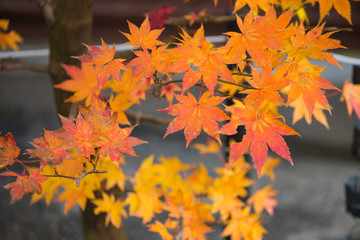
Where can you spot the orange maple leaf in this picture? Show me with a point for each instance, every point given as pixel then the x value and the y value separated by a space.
pixel 24 184
pixel 97 55
pixel 116 141
pixel 300 111
pixel 168 91
pixel 161 229
pixel 8 150
pixel 312 44
pixel 79 134
pixel 351 95
pixel 258 33
pixel 341 6
pixel 49 149
pixel 193 116
pixel 266 87
pixel 305 80
pixel 83 82
pixel 262 130
pixel 198 52
pixel 264 199
pixel 143 37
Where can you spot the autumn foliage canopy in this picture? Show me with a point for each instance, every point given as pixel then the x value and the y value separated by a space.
pixel 271 68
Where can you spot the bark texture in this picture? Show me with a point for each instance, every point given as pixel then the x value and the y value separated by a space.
pixel 71 28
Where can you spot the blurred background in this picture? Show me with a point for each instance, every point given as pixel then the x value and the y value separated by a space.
pixel 311 193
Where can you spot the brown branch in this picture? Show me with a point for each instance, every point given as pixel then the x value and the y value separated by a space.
pixel 182 21
pixel 139 116
pixel 76 179
pixel 47 11
pixel 16 64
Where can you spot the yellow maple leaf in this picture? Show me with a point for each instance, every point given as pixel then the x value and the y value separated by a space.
pixel 212 146
pixel 268 168
pixel 73 195
pixel 113 208
pixel 8 39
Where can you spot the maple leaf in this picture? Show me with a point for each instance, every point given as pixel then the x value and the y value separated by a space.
pixel 97 55
pixel 143 37
pixel 73 167
pixel 158 17
pixel 192 17
pixel 300 111
pixel 168 91
pixel 198 53
pixel 305 81
pixel 227 188
pixel 144 205
pixel 268 168
pixel 211 147
pixel 50 187
pixel 73 195
pixel 254 5
pixel 146 64
pixel 264 199
pixel 8 38
pixel 341 6
pixel 311 44
pixel 115 174
pixel 98 115
pixel 24 184
pixel 200 180
pixel 79 134
pixel 83 82
pixel 193 115
pixel 266 87
pixel 49 149
pixel 161 229
pixel 8 150
pixel 117 141
pixel 262 130
pixel 242 225
pixel 131 88
pixel 112 207
pixel 351 95
pixel 258 33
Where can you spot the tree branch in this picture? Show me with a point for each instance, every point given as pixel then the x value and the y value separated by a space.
pixel 47 10
pixel 139 116
pixel 16 64
pixel 182 21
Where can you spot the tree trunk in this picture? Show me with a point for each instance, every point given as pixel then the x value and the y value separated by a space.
pixel 94 226
pixel 72 27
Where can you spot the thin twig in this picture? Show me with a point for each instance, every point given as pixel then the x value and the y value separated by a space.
pixel 8 64
pixel 139 116
pixel 182 21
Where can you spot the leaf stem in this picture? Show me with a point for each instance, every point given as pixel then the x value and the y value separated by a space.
pixel 27 168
